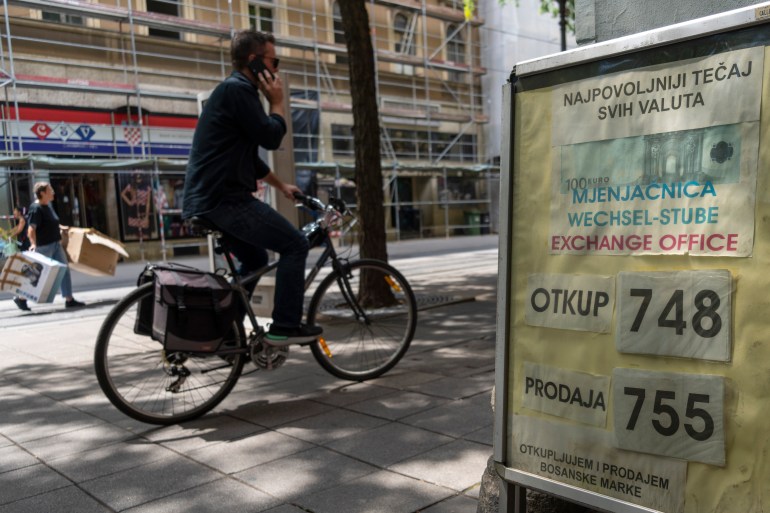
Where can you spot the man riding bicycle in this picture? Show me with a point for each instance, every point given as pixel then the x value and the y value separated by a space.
pixel 222 175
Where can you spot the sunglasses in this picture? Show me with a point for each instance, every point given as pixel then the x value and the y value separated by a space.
pixel 275 60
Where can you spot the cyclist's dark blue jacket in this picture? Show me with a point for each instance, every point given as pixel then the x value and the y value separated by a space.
pixel 224 159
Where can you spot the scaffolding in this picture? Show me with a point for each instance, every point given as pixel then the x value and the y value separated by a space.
pixel 139 66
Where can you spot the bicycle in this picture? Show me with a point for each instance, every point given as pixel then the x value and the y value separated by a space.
pixel 365 333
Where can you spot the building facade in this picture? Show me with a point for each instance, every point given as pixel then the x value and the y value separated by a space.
pixel 101 99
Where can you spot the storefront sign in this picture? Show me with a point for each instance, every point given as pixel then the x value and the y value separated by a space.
pixel 651 161
pixel 56 130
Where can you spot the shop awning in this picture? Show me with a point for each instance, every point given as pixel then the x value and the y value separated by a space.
pixel 92 165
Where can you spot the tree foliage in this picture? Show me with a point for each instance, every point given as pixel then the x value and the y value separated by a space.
pixel 553 7
pixel 546 6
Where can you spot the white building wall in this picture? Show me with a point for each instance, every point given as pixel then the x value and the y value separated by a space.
pixel 603 20
pixel 511 34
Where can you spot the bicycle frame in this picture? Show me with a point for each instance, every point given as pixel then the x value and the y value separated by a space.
pixel 240 282
pixel 363 347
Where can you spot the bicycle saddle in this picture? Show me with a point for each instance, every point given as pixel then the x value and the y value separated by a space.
pixel 203 225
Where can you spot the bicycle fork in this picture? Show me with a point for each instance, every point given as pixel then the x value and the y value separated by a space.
pixel 343 281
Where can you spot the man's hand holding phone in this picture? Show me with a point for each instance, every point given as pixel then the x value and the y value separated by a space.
pixel 270 84
pixel 257 66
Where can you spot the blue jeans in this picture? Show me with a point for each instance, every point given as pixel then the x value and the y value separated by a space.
pixel 55 251
pixel 251 228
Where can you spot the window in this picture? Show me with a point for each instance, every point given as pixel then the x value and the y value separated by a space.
pixel 339 33
pixel 455 50
pixel 168 196
pixel 468 148
pixel 56 17
pixel 403 29
pixel 418 106
pixel 411 144
pixel 168 7
pixel 404 142
pixel 305 128
pixel 461 188
pixel 454 4
pixel 342 140
pixel 463 150
pixel 439 142
pixel 261 17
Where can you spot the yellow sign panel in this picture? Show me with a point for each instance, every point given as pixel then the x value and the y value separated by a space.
pixel 653 393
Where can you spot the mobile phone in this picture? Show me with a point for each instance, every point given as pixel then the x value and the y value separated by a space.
pixel 257 65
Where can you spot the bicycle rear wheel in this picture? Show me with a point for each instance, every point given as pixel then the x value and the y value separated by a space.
pixel 149 385
pixel 364 336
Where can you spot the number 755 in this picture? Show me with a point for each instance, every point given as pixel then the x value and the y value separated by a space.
pixel 663 410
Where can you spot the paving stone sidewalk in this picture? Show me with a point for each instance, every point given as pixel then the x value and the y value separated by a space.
pixel 288 441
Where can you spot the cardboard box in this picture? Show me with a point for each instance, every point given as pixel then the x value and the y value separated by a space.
pixel 92 252
pixel 32 276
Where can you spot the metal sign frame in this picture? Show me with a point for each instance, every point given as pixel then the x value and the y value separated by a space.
pixel 589 61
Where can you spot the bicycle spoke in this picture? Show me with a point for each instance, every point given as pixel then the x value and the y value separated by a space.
pixel 151 386
pixel 364 340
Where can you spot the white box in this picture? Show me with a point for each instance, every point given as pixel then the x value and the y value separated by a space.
pixel 32 276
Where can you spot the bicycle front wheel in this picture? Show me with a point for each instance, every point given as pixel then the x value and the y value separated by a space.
pixel 369 314
pixel 150 385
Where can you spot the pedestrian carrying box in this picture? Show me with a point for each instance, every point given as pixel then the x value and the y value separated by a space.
pixel 193 310
pixel 32 276
pixel 91 252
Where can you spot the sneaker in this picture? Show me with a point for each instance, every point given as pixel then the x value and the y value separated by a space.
pixel 73 303
pixel 22 304
pixel 297 335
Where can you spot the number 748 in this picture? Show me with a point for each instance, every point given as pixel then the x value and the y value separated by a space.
pixel 676 305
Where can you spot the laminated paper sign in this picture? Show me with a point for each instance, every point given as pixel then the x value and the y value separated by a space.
pixel 672 414
pixel 659 160
pixel 675 313
pixel 570 302
pixel 566 393
pixel 583 456
pixel 32 276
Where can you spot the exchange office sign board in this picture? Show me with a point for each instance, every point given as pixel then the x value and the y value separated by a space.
pixel 636 318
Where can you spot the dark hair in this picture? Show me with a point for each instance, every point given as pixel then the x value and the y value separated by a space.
pixel 246 42
pixel 139 180
pixel 40 188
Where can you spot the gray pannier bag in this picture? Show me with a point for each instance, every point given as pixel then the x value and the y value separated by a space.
pixel 193 310
pixel 143 321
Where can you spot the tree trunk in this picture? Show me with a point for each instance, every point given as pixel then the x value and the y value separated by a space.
pixel 366 136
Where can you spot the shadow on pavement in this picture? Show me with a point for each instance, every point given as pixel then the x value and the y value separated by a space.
pixel 294 439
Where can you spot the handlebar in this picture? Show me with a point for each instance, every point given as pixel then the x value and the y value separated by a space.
pixel 318 205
